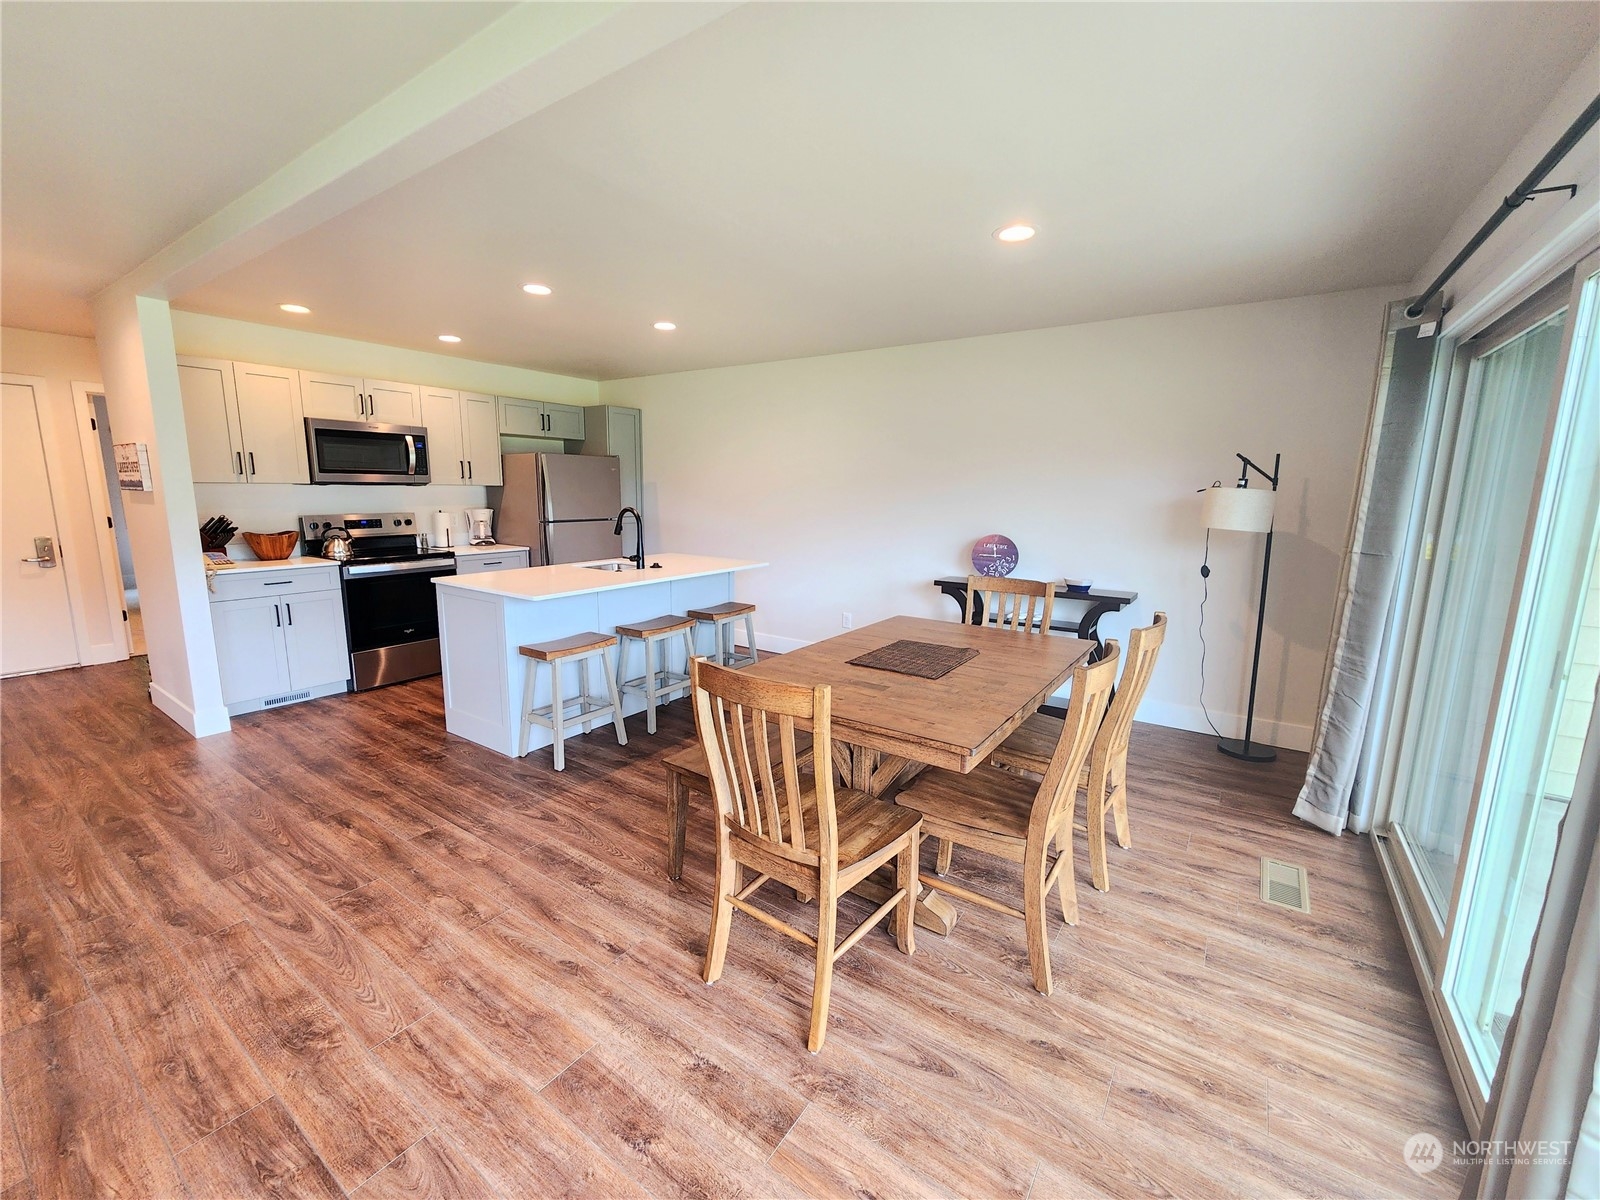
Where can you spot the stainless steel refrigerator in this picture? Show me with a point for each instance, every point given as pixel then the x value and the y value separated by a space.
pixel 562 506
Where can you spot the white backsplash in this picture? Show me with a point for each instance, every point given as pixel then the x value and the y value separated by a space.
pixel 273 507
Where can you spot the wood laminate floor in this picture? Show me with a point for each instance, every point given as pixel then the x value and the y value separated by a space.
pixel 337 953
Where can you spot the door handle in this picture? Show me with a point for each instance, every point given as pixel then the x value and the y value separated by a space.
pixel 469 468
pixel 461 467
pixel 289 608
pixel 252 462
pixel 44 552
pixel 240 458
pixel 277 615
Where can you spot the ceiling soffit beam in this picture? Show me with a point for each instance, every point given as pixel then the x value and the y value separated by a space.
pixel 527 60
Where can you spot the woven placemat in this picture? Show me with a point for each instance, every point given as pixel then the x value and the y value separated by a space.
pixel 925 660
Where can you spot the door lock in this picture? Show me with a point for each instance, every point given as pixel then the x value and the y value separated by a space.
pixel 44 552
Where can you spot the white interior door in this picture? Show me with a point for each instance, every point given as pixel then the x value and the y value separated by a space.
pixel 36 630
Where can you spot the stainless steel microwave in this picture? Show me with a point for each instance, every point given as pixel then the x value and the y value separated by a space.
pixel 358 452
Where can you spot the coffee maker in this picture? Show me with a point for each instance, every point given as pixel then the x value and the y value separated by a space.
pixel 481 524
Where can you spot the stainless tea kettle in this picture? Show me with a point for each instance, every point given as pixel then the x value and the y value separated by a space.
pixel 336 545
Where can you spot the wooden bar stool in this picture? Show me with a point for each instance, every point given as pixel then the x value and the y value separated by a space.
pixel 722 618
pixel 657 681
pixel 582 649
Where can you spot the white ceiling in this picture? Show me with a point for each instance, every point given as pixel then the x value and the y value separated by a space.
pixel 124 125
pixel 810 178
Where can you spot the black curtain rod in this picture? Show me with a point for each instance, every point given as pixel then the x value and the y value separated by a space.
pixel 1524 191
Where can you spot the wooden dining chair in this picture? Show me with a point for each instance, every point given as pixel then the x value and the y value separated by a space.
pixel 797 830
pixel 1105 776
pixel 1020 604
pixel 1017 819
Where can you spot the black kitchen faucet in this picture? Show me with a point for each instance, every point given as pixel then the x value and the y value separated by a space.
pixel 638 540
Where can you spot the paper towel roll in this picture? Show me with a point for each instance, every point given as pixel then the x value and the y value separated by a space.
pixel 440 536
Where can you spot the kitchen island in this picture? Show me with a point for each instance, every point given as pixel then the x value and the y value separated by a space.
pixel 484 618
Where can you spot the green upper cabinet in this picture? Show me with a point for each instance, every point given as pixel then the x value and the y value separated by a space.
pixel 538 419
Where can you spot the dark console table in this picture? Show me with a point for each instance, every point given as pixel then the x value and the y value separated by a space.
pixel 1095 603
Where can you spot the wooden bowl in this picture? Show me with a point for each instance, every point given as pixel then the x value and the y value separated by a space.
pixel 272 547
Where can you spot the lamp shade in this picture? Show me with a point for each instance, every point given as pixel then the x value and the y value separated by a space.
pixel 1247 510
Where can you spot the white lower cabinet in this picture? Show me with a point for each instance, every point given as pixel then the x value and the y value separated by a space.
pixel 313 635
pixel 280 639
pixel 498 560
pixel 251 651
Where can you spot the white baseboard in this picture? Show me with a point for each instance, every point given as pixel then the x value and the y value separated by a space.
pixel 771 641
pixel 186 717
pixel 1282 734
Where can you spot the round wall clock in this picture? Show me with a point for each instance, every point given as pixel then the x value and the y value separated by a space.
pixel 995 554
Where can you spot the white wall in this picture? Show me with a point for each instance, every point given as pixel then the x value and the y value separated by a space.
pixel 134 334
pixel 1540 239
pixel 861 476
pixel 62 361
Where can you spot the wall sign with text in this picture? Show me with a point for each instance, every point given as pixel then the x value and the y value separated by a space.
pixel 133 466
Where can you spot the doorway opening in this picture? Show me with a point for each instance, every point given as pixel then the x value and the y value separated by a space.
pixel 119 526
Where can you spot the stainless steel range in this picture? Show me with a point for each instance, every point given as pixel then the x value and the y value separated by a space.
pixel 390 612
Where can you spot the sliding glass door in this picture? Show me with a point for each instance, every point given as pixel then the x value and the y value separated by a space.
pixel 1494 699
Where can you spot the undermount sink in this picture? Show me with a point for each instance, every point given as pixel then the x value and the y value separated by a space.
pixel 609 567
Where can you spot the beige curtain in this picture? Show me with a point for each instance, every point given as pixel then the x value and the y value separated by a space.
pixel 1546 1075
pixel 1336 795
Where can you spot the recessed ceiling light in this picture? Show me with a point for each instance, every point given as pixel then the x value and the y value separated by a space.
pixel 294 308
pixel 536 289
pixel 665 326
pixel 449 337
pixel 1015 233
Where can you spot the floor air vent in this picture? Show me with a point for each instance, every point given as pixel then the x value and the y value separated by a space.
pixel 1285 885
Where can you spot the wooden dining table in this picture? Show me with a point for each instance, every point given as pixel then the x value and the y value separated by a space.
pixel 887 726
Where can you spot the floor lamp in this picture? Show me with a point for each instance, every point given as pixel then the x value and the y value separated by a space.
pixel 1244 509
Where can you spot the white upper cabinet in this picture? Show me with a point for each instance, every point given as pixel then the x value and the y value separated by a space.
pixel 480 438
pixel 210 413
pixel 392 403
pixel 345 398
pixel 441 413
pixel 463 435
pixel 271 425
pixel 334 397
pixel 521 418
pixel 244 422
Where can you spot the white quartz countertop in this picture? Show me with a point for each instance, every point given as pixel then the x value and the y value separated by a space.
pixel 279 564
pixel 576 579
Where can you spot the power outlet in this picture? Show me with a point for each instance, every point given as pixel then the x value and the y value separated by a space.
pixel 847 620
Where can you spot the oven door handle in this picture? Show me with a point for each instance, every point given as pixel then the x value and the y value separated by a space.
pixel 438 566
pixel 411 454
